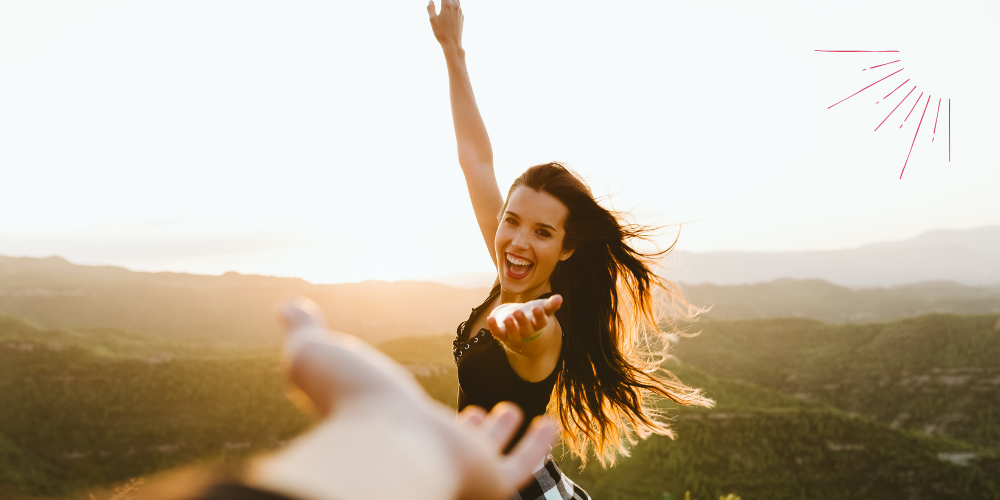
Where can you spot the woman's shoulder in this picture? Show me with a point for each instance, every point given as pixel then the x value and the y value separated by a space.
pixel 464 328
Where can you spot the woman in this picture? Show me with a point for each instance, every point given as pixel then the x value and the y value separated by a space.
pixel 553 244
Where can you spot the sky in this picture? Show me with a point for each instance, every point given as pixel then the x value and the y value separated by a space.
pixel 314 139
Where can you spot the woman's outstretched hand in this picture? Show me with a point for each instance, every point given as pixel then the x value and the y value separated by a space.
pixel 447 24
pixel 519 323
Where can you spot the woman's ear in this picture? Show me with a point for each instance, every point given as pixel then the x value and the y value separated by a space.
pixel 565 254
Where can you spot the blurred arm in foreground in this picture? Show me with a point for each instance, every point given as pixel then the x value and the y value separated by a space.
pixel 381 436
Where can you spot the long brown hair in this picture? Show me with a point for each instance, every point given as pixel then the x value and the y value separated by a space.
pixel 613 348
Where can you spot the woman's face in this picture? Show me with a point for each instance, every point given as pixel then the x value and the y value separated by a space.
pixel 529 241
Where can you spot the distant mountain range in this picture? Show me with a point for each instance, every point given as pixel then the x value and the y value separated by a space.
pixel 239 308
pixel 229 308
pixel 969 257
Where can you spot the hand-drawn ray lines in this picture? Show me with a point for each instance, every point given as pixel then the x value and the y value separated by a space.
pixel 895 89
pixel 880 65
pixel 862 90
pixel 937 113
pixel 911 110
pixel 856 50
pixel 915 136
pixel 894 109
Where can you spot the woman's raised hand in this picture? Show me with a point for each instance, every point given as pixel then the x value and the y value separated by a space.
pixel 525 322
pixel 447 24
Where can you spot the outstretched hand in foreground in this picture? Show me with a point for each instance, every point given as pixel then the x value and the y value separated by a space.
pixel 381 436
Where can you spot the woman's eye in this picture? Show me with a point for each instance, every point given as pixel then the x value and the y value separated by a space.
pixel 543 233
pixel 511 221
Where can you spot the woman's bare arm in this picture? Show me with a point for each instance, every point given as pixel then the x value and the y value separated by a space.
pixel 475 153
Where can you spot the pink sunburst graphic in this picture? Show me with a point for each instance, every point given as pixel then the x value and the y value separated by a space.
pixel 887 66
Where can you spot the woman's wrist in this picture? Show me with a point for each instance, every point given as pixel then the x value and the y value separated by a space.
pixel 453 50
pixel 533 337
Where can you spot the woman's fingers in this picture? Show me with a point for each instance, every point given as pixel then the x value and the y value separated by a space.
pixel 552 304
pixel 447 24
pixel 448 4
pixel 496 328
pixel 538 314
pixel 510 328
pixel 525 325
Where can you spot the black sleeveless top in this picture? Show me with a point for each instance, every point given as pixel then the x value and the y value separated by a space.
pixel 485 377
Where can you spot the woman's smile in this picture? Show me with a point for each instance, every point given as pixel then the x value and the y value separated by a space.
pixel 517 267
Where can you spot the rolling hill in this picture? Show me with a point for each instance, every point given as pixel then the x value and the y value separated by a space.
pixel 84 408
pixel 234 308
pixel 936 374
pixel 823 391
pixel 830 303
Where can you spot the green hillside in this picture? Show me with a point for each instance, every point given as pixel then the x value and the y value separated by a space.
pixel 760 443
pixel 97 416
pixel 86 408
pixel 22 472
pixel 937 373
pixel 791 454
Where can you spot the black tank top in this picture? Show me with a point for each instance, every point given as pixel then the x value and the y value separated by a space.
pixel 485 377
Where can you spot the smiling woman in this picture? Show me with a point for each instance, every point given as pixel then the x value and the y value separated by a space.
pixel 530 238
pixel 553 244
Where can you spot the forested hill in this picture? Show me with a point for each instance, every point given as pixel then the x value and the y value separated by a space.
pixel 935 374
pixel 830 303
pixel 238 308
pixel 805 410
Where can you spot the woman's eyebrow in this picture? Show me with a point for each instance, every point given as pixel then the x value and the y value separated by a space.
pixel 542 224
pixel 539 224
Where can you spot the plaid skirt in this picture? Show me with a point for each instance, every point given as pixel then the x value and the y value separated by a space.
pixel 549 483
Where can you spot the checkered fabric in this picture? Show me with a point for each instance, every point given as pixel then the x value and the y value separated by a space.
pixel 550 483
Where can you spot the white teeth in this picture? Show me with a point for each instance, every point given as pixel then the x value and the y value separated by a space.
pixel 518 262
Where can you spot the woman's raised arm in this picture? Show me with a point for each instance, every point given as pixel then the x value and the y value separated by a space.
pixel 475 154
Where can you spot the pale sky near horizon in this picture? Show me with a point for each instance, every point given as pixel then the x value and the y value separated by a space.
pixel 314 139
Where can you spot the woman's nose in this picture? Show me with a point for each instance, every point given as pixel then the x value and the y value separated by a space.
pixel 520 240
